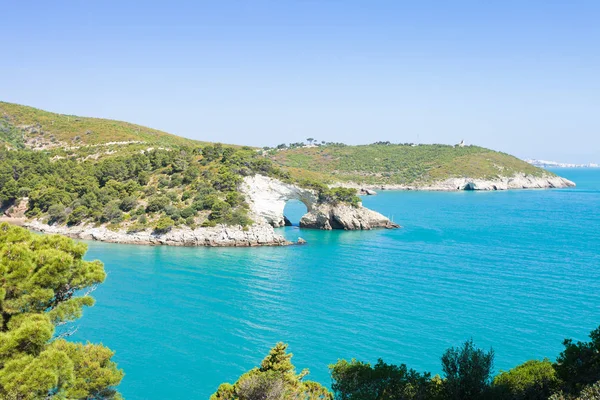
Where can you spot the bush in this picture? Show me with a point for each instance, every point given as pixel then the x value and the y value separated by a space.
pixel 533 380
pixel 275 379
pixel 157 203
pixel 468 372
pixel 219 210
pixel 187 212
pixel 77 215
pixel 578 365
pixel 339 195
pixel 112 212
pixel 234 198
pixel 237 217
pixel 163 225
pixel 356 380
pixel 57 214
pixel 191 222
pixel 128 203
pixel 136 227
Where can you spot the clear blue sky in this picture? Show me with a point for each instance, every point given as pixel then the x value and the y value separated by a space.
pixel 517 76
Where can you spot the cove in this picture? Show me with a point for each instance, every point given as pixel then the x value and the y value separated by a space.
pixel 516 270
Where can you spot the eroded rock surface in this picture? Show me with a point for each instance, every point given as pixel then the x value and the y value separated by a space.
pixel 267 197
pixel 343 216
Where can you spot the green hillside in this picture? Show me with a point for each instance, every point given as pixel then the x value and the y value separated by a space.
pixel 398 163
pixel 75 170
pixel 37 129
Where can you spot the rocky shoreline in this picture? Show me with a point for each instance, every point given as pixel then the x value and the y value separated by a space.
pixel 219 236
pixel 519 181
pixel 267 198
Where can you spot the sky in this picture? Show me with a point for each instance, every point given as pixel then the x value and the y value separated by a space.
pixel 517 76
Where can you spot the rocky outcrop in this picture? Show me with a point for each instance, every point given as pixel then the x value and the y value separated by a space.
pixel 219 236
pixel 343 216
pixel 367 192
pixel 267 197
pixel 518 181
pixel 17 210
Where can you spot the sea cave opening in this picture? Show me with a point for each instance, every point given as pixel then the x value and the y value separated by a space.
pixel 293 211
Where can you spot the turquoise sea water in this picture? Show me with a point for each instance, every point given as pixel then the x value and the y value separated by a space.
pixel 517 270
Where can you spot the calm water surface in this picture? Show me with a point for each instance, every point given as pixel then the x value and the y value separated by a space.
pixel 516 270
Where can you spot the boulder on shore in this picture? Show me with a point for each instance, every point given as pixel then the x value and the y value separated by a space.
pixel 367 192
pixel 343 216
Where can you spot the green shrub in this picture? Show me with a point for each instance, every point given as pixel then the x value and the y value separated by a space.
pixel 187 212
pixel 219 210
pixel 163 225
pixel 136 227
pixel 112 213
pixel 189 221
pixel 468 372
pixel 533 380
pixel 157 203
pixel 77 215
pixel 578 365
pixel 128 203
pixel 356 380
pixel 57 214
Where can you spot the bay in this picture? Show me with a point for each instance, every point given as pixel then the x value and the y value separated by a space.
pixel 516 270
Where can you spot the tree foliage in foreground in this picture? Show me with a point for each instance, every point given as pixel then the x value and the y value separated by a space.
pixel 467 375
pixel 275 379
pixel 43 284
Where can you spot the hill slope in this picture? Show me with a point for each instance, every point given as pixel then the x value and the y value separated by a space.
pixel 23 126
pixel 401 164
pixel 78 172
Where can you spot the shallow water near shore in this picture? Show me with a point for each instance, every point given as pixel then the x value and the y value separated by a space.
pixel 516 270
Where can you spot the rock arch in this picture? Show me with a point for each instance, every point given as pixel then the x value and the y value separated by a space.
pixel 267 198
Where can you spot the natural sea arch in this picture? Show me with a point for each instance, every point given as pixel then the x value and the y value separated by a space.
pixel 294 210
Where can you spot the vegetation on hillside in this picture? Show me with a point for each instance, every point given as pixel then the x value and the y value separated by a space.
pixel 136 190
pixel 467 374
pixel 45 284
pixel 91 170
pixel 43 129
pixel 386 163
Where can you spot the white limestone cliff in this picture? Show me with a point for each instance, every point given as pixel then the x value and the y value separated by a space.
pixel 517 181
pixel 267 198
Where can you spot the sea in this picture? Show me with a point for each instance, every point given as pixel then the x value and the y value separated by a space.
pixel 517 271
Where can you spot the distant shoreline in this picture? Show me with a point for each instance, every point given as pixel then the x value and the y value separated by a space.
pixel 466 184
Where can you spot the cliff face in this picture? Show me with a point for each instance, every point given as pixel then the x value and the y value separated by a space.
pixel 267 198
pixel 518 181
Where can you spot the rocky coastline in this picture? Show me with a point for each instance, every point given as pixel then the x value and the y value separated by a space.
pixel 219 236
pixel 519 181
pixel 267 198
